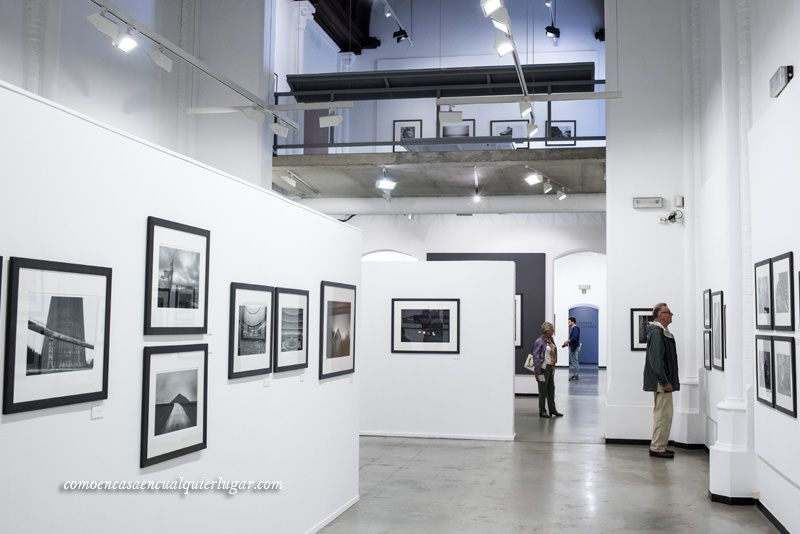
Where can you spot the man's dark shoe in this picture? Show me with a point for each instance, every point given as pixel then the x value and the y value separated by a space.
pixel 545 415
pixel 662 454
pixel 556 414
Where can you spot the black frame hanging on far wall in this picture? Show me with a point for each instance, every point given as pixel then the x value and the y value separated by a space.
pixel 431 326
pixel 522 134
pixel 181 308
pixel 785 373
pixel 250 348
pixel 707 349
pixel 58 334
pixel 337 316
pixel 718 330
pixel 782 289
pixel 417 123
pixel 765 371
pixel 763 294
pixel 640 317
pixel 707 308
pixel 562 140
pixel 290 350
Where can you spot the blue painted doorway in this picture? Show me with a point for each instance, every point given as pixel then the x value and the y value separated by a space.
pixel 587 319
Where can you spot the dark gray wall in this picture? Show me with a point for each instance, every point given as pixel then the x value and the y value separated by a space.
pixel 530 284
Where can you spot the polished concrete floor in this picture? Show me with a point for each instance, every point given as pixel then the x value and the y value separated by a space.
pixel 557 476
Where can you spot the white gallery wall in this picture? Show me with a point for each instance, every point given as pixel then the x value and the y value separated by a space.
pixel 469 395
pixel 76 191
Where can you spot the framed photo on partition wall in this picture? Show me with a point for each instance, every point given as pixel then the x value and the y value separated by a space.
pixel 511 129
pixel 783 292
pixel 291 329
pixel 174 402
pixel 765 371
pixel 763 278
pixel 404 130
pixel 57 345
pixel 718 330
pixel 517 320
pixel 250 330
pixel 640 318
pixel 560 133
pixel 785 375
pixel 707 349
pixel 707 308
pixel 465 128
pixel 426 325
pixel 337 329
pixel 176 278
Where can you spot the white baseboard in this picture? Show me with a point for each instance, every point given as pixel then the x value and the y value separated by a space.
pixel 376 433
pixel 325 522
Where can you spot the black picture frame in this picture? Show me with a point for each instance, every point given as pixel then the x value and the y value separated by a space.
pixel 452 347
pixel 53 333
pixel 154 223
pixel 763 299
pixel 768 372
pixel 518 320
pixel 328 369
pixel 707 308
pixel 234 342
pixel 789 374
pixel 278 328
pixel 782 297
pixel 707 349
pixel 638 315
pixel 559 127
pixel 145 460
pixel 396 138
pixel 469 123
pixel 718 341
pixel 517 144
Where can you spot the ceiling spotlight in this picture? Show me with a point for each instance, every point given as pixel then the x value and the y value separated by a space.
pixel 490 6
pixel 385 183
pixel 561 194
pixel 400 35
pixel 501 20
pixel 450 117
pixel 548 3
pixel 533 128
pixel 535 177
pixel 161 59
pixel 279 129
pixel 330 121
pixel 525 108
pixel 125 41
pixel 547 187
pixel 552 31
pixel 103 24
pixel 476 197
pixel 503 44
pixel 386 11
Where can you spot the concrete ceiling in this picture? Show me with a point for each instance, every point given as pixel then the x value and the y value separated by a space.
pixel 441 174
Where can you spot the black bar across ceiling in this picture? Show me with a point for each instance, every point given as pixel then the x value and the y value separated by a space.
pixel 437 141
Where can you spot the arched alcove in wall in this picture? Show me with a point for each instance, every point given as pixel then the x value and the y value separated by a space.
pixel 387 255
pixel 579 285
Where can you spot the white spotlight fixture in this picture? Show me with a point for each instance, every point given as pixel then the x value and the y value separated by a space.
pixel 525 108
pixel 103 24
pixel 477 197
pixel 161 59
pixel 503 44
pixel 330 121
pixel 450 117
pixel 547 187
pixel 386 11
pixel 561 194
pixel 501 20
pixel 279 129
pixel 535 177
pixel 490 6
pixel 125 41
pixel 533 128
pixel 385 184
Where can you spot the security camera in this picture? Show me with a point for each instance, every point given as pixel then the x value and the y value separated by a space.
pixel 673 217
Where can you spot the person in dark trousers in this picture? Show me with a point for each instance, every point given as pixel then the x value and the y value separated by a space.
pixel 661 377
pixel 574 343
pixel 545 356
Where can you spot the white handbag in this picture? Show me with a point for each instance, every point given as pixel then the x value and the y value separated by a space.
pixel 529 363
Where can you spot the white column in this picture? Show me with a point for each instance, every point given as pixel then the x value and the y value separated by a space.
pixel 301 13
pixel 342 133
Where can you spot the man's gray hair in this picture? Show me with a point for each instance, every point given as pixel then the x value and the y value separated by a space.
pixel 656 309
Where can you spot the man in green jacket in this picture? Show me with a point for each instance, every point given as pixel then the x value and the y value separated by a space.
pixel 661 377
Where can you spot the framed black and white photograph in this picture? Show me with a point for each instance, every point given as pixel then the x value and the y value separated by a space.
pixel 707 349
pixel 764 371
pixel 707 308
pixel 176 278
pixel 718 330
pixel 404 130
pixel 640 318
pixel 785 369
pixel 783 292
pixel 337 329
pixel 763 289
pixel 465 128
pixel 511 129
pixel 174 402
pixel 57 341
pixel 250 330
pixel 560 133
pixel 517 320
pixel 426 325
pixel 291 329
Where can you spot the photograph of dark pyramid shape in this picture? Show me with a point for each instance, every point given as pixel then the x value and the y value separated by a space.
pixel 176 401
pixel 57 334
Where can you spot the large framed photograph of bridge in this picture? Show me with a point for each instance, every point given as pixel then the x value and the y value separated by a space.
pixel 426 325
pixel 291 329
pixel 174 402
pixel 57 341
pixel 176 278
pixel 250 330
pixel 337 329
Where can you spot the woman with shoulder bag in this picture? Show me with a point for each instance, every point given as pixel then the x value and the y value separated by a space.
pixel 545 356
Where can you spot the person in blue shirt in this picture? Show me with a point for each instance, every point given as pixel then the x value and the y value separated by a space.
pixel 574 343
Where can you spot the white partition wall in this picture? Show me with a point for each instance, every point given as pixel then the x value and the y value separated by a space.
pixel 469 395
pixel 76 191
